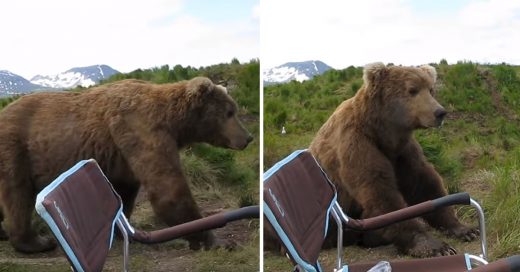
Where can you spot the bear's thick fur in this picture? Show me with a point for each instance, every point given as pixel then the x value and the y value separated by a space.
pixel 134 130
pixel 368 149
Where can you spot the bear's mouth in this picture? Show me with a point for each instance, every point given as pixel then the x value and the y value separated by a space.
pixel 434 124
pixel 439 121
pixel 241 146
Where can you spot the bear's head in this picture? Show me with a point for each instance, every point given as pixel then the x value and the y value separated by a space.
pixel 403 96
pixel 215 115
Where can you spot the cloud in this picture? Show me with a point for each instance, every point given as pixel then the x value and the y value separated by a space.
pixel 343 33
pixel 55 35
pixel 256 12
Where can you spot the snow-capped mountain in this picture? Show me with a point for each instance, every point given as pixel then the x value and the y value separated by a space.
pixel 13 84
pixel 299 71
pixel 80 76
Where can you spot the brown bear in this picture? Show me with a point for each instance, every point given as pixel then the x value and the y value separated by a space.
pixel 368 149
pixel 133 129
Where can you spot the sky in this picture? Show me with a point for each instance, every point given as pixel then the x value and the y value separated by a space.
pixel 52 36
pixel 408 32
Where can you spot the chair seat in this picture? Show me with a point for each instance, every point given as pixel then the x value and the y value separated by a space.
pixel 81 208
pixel 296 194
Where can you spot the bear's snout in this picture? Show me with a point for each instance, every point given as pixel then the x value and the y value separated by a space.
pixel 246 143
pixel 440 113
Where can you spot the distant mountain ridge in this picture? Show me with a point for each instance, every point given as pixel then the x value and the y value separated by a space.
pixel 13 84
pixel 79 76
pixel 298 71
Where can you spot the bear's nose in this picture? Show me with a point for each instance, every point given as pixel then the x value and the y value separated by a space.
pixel 440 113
pixel 249 138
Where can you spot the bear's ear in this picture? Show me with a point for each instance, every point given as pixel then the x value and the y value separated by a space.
pixel 199 86
pixel 373 72
pixel 430 71
pixel 222 88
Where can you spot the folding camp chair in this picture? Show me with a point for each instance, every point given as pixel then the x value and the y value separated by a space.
pixel 82 208
pixel 299 199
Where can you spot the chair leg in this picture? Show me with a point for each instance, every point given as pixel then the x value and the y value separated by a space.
pixel 340 240
pixel 125 245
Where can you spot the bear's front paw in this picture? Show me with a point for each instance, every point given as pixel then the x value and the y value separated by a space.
pixel 209 241
pixel 36 244
pixel 205 239
pixel 424 246
pixel 225 244
pixel 464 233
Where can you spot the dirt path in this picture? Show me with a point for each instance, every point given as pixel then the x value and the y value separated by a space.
pixel 170 256
pixel 496 97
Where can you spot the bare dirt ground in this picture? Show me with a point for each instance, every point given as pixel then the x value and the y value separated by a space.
pixel 170 256
pixel 356 254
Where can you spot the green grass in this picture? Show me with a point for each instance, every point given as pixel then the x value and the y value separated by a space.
pixel 6 100
pixel 503 206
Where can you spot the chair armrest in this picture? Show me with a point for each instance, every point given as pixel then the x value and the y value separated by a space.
pixel 450 200
pixel 408 212
pixel 202 224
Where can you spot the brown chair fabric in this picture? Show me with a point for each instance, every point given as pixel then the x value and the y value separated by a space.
pixel 299 195
pixel 83 207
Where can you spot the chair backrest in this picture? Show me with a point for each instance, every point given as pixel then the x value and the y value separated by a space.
pixel 298 199
pixel 81 208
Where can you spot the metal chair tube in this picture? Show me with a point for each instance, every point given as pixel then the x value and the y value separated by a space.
pixel 340 238
pixel 482 228
pixel 125 245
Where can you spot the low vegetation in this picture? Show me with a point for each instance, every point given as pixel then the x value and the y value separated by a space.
pixel 477 150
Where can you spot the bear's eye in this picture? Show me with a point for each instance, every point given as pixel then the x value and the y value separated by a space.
pixel 414 91
pixel 230 114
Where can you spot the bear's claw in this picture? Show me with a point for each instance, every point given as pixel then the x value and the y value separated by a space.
pixel 426 246
pixel 464 233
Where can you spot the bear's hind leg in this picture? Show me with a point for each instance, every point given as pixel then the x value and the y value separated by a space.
pixel 18 203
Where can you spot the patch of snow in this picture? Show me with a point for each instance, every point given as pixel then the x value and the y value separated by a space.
pixel 64 80
pixel 315 67
pixel 101 71
pixel 284 74
pixel 87 83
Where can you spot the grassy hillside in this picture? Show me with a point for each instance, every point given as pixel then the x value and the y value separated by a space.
pixel 220 179
pixel 477 150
